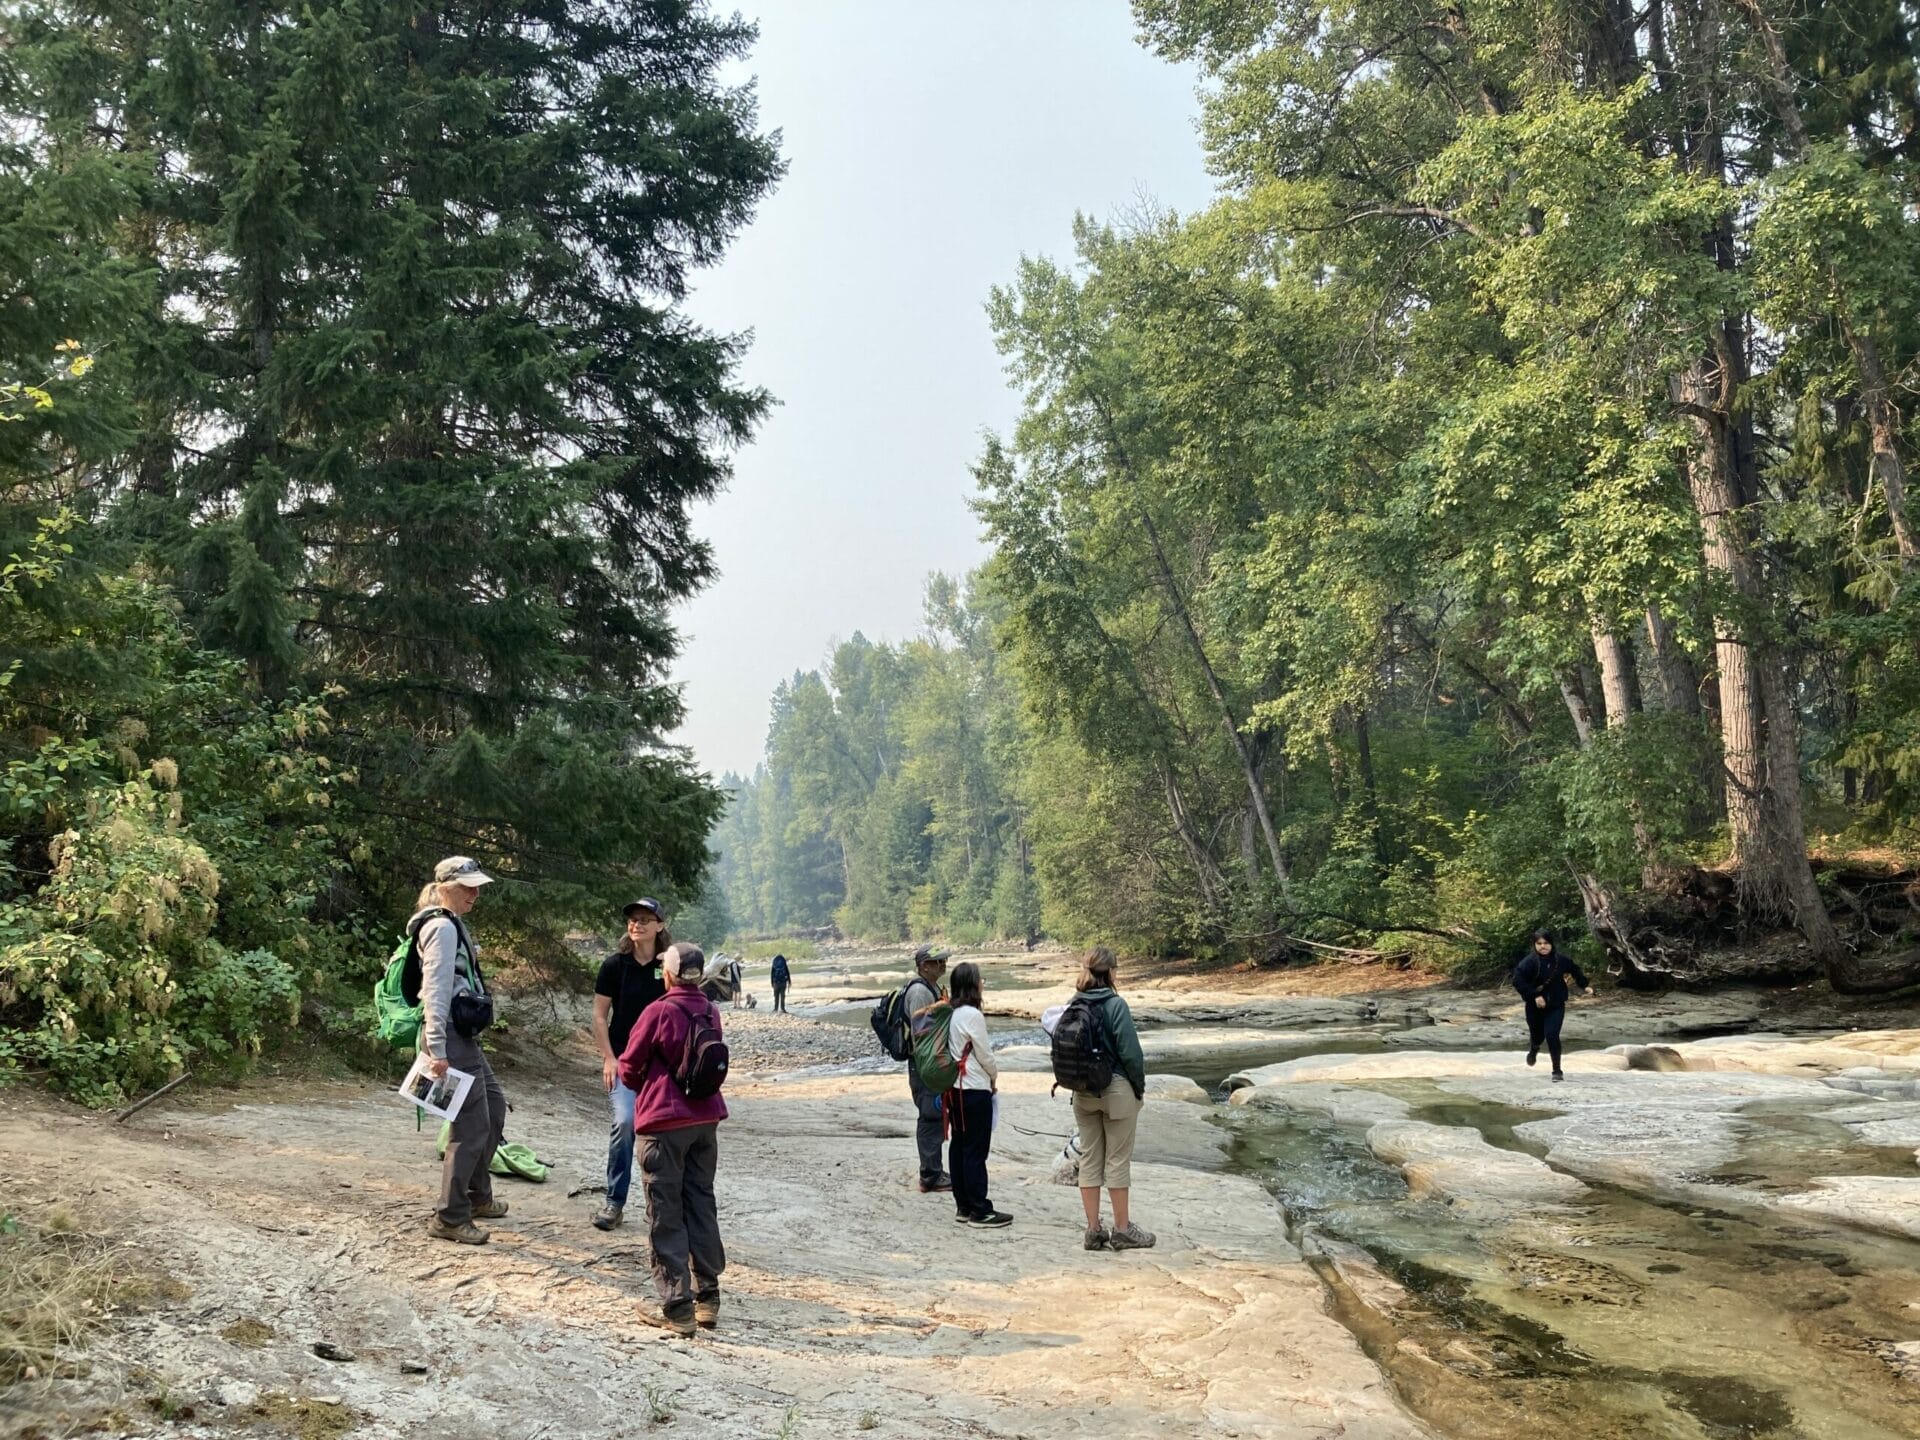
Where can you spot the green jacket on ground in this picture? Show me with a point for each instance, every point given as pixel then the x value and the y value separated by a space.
pixel 1118 1019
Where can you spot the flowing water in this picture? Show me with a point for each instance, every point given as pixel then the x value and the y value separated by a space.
pixel 1628 1316
pixel 1625 1316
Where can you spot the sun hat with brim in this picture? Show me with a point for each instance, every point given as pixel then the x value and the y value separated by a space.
pixel 652 907
pixel 461 870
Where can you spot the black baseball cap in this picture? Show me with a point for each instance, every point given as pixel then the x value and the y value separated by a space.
pixel 652 907
pixel 931 952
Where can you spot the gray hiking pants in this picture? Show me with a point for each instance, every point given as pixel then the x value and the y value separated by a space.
pixel 683 1219
pixel 465 1180
pixel 929 1132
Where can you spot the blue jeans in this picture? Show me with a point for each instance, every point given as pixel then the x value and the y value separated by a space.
pixel 620 1144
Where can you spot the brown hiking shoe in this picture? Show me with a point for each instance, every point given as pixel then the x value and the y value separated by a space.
pixel 1097 1238
pixel 651 1314
pixel 1131 1238
pixel 467 1234
pixel 706 1313
pixel 492 1210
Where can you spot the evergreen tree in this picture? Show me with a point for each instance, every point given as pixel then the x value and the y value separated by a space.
pixel 425 419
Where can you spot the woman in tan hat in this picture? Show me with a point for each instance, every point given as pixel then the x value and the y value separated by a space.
pixel 454 1009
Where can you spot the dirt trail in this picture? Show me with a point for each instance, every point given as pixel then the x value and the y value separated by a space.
pixel 853 1303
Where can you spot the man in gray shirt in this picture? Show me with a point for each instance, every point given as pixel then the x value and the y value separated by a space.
pixel 929 1132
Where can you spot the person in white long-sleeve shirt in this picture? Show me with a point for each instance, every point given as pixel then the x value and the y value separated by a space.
pixel 454 1008
pixel 970 1102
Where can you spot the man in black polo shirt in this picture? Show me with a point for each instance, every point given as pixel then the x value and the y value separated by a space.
pixel 629 981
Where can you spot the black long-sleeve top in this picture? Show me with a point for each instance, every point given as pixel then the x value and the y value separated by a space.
pixel 1546 975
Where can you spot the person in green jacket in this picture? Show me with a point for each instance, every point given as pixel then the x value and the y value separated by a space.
pixel 1107 1121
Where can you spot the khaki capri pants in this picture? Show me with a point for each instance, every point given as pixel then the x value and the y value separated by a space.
pixel 1107 1123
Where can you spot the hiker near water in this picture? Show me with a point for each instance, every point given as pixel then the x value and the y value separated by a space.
pixel 970 1119
pixel 929 1133
pixel 1542 978
pixel 629 982
pixel 679 1148
pixel 782 977
pixel 1107 1121
pixel 454 1009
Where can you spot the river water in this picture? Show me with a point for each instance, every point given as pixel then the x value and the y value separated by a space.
pixel 1627 1316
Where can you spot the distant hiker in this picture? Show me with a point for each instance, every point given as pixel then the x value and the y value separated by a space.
pixel 972 1099
pixel 1094 1040
pixel 929 1134
pixel 629 982
pixel 1542 978
pixel 454 1009
pixel 782 977
pixel 675 1062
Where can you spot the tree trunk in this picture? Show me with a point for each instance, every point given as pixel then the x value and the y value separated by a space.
pixel 1597 900
pixel 1616 673
pixel 1758 725
pixel 1205 872
pixel 1255 796
pixel 1883 428
pixel 1577 708
pixel 1679 682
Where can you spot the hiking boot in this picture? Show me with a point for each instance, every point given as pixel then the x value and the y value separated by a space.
pixel 1533 1055
pixel 650 1314
pixel 608 1217
pixel 1097 1238
pixel 1131 1238
pixel 993 1220
pixel 467 1234
pixel 706 1313
pixel 939 1186
pixel 492 1210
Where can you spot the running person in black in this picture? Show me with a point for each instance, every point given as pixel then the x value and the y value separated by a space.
pixel 1542 978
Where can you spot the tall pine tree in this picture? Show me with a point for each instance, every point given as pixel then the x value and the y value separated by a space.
pixel 425 417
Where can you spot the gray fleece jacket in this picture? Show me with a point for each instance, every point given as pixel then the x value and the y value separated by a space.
pixel 447 969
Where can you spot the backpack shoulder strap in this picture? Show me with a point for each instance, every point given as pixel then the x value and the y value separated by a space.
pixel 432 912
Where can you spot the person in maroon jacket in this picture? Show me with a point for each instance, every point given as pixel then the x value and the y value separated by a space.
pixel 679 1150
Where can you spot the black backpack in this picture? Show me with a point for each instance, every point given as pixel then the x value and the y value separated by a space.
pixel 703 1063
pixel 1082 1057
pixel 889 1021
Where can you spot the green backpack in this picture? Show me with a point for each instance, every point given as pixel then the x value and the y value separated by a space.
pixel 932 1062
pixel 396 995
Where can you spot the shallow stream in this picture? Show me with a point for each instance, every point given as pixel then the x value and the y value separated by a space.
pixel 1626 1315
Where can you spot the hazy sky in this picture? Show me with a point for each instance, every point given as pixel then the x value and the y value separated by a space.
pixel 930 146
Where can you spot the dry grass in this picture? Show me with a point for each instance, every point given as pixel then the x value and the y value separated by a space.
pixel 58 1287
pixel 305 1419
pixel 248 1333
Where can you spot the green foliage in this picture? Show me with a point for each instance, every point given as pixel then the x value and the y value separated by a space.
pixel 1382 501
pixel 358 544
pixel 887 804
pixel 161 844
